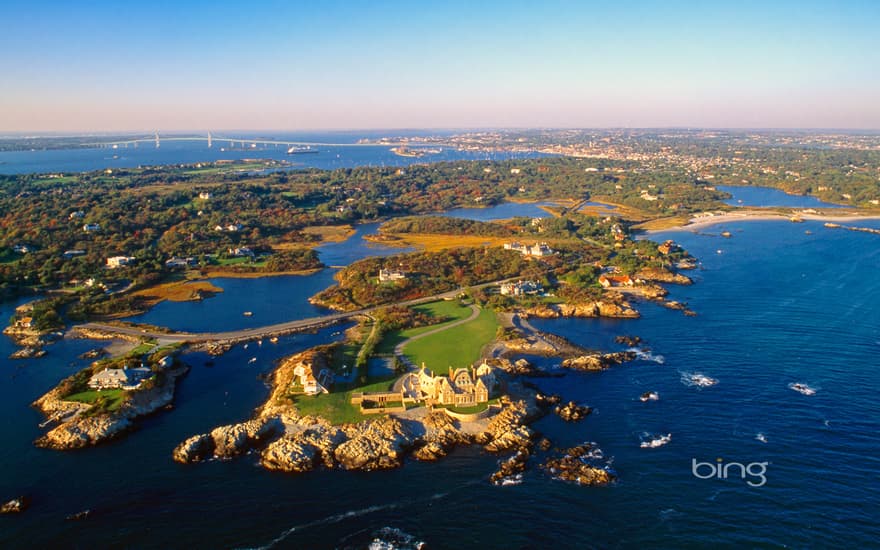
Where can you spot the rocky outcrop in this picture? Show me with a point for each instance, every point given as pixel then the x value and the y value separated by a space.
pixel 194 449
pixel 598 361
pixel 601 308
pixel 83 432
pixel 376 444
pixel 440 437
pixel 663 275
pixel 28 353
pixel 80 428
pixel 304 450
pixel 627 340
pixel 236 439
pixel 510 470
pixel 14 506
pixel 507 430
pixel 576 466
pixel 572 412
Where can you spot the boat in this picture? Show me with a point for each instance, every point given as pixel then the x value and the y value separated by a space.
pixel 252 360
pixel 802 388
pixel 296 150
pixel 274 339
pixel 248 313
pixel 726 234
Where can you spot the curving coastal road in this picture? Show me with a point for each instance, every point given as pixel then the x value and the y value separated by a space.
pixel 270 330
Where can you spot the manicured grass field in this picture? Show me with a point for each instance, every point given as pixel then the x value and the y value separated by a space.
pixel 112 398
pixel 451 310
pixel 336 406
pixel 457 347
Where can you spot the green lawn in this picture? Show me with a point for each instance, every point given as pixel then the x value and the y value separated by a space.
pixel 112 399
pixel 240 260
pixel 451 310
pixel 336 406
pixel 457 347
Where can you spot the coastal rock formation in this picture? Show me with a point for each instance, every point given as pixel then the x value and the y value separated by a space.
pixel 507 431
pixel 575 466
pixel 378 443
pixel 194 449
pixel 14 506
pixel 627 340
pixel 572 412
pixel 83 432
pixel 663 275
pixel 544 400
pixel 441 435
pixel 598 361
pixel 304 450
pixel 78 428
pixel 510 470
pixel 28 353
pixel 601 308
pixel 236 439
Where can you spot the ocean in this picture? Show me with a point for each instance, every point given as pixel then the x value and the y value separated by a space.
pixel 775 306
pixel 343 154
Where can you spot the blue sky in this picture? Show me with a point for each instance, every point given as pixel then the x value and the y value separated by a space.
pixel 303 65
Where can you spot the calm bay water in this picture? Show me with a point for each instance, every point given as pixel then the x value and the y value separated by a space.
pixel 776 306
pixel 767 196
pixel 340 155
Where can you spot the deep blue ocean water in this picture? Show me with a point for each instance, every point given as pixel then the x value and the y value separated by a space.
pixel 775 306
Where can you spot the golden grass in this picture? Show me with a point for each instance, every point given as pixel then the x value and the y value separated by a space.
pixel 434 243
pixel 178 291
pixel 328 233
pixel 663 223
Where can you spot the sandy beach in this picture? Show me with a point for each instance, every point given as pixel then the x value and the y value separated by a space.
pixel 697 223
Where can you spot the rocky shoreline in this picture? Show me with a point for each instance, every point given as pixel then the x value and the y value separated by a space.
pixel 76 428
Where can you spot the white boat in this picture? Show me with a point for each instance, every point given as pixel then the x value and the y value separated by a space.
pixel 802 388
pixel 248 313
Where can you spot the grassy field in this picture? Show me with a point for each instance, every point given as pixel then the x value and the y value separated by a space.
pixel 452 310
pixel 178 291
pixel 434 243
pixel 457 347
pixel 113 399
pixel 326 234
pixel 336 406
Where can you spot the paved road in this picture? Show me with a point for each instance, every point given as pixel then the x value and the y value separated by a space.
pixel 270 330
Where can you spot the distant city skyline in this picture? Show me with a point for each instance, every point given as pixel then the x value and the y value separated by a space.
pixel 114 67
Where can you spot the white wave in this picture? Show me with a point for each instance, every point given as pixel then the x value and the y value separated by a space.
pixel 697 379
pixel 654 441
pixel 761 437
pixel 391 538
pixel 646 355
pixel 649 396
pixel 515 479
pixel 802 388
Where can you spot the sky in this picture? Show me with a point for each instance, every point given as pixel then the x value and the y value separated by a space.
pixel 297 65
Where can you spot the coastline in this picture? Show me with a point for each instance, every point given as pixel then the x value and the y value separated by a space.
pixel 696 223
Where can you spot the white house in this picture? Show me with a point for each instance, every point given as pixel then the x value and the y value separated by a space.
pixel 126 379
pixel 90 227
pixel 119 261
pixel 391 275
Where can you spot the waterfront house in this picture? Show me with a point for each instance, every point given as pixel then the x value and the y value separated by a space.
pixel 24 322
pixel 22 249
pixel 391 275
pixel 76 215
pixel 313 384
pixel 668 247
pixel 205 196
pixel 463 387
pixel 125 378
pixel 91 227
pixel 608 281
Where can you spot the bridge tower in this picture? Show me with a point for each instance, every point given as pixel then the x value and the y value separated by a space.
pixel 209 139
pixel 157 139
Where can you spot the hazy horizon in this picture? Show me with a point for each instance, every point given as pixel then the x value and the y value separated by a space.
pixel 335 66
